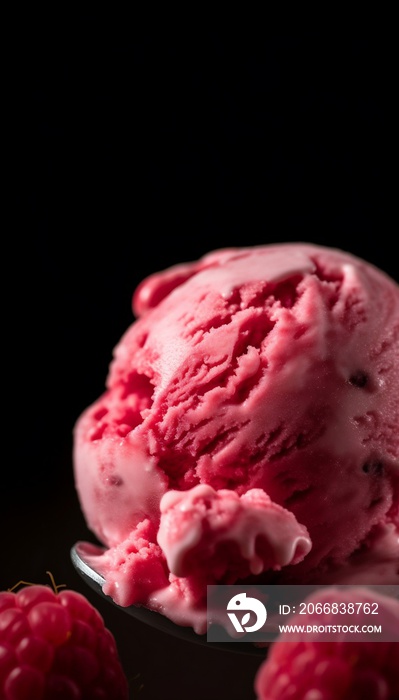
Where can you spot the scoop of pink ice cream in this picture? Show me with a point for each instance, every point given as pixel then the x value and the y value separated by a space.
pixel 269 369
pixel 335 670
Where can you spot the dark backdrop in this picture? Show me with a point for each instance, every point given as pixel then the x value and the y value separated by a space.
pixel 134 150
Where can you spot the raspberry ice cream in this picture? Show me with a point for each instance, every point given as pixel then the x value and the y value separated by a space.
pixel 249 430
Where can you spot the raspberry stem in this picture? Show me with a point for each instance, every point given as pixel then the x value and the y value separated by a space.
pixel 55 588
pixel 28 583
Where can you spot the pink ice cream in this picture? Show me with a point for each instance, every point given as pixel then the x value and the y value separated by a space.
pixel 249 430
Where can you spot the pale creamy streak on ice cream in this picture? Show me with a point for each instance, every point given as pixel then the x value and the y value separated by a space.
pixel 249 430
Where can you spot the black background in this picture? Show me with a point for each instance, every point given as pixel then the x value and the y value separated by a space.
pixel 135 149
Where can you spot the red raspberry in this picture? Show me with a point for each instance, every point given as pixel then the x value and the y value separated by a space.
pixel 322 671
pixel 54 646
pixel 329 670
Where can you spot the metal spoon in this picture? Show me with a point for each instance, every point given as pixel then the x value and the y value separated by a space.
pixel 152 618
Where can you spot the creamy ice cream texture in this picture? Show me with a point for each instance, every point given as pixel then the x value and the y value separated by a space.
pixel 249 430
